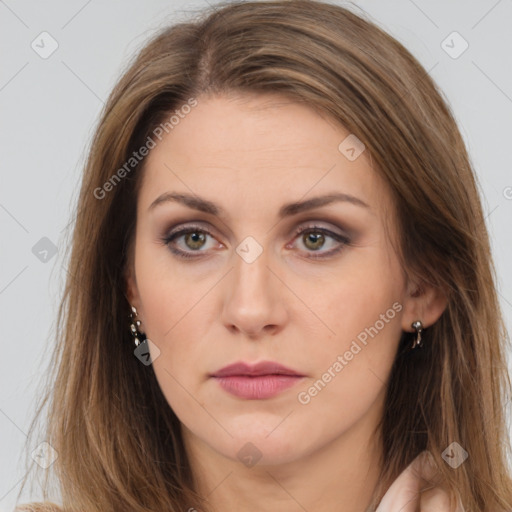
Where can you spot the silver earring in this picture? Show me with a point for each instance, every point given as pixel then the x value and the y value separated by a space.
pixel 135 327
pixel 418 342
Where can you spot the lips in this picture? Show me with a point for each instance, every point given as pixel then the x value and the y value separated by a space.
pixel 253 370
pixel 256 381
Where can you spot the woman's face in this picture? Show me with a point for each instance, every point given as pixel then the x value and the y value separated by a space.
pixel 241 256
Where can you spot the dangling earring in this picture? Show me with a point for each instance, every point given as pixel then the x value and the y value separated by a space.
pixel 418 342
pixel 135 328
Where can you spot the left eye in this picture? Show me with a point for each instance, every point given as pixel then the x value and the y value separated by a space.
pixel 313 238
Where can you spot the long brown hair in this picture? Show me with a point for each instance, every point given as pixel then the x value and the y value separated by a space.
pixel 118 442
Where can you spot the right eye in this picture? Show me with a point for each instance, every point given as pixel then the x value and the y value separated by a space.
pixel 191 239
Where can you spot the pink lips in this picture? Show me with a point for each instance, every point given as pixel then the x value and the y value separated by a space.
pixel 257 381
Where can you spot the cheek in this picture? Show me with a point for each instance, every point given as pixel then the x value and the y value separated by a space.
pixel 165 294
pixel 362 307
pixel 358 295
pixel 350 369
pixel 176 317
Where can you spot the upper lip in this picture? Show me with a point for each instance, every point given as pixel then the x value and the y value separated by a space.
pixel 261 368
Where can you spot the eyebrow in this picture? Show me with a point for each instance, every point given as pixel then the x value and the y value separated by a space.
pixel 203 205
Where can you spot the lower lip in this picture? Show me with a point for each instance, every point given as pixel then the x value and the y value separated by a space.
pixel 257 388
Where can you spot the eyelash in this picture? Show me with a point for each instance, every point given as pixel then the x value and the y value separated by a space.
pixel 171 237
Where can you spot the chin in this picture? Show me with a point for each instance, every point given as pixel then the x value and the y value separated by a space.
pixel 271 443
pixel 264 451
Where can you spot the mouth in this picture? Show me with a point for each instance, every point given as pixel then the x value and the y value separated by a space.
pixel 257 381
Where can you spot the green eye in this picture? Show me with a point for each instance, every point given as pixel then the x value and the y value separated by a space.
pixel 194 239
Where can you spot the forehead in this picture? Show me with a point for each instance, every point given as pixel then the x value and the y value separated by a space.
pixel 257 151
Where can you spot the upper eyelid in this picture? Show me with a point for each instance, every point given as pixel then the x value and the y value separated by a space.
pixel 301 225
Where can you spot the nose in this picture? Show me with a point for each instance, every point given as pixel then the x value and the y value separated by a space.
pixel 254 304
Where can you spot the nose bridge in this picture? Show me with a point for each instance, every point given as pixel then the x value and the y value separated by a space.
pixel 251 275
pixel 252 300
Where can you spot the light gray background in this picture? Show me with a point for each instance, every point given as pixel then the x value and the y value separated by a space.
pixel 50 107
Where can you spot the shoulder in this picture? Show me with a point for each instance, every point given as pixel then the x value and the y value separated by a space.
pixel 405 494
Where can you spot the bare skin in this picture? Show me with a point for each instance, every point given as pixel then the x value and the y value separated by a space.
pixel 251 155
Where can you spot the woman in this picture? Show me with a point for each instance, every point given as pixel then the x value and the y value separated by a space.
pixel 281 293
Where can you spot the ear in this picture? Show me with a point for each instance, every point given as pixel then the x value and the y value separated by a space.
pixel 423 302
pixel 131 289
